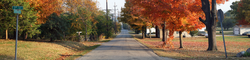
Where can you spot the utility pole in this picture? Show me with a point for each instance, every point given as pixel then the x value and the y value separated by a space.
pixel 115 18
pixel 119 16
pixel 107 14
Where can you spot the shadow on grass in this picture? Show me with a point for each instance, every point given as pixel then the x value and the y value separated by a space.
pixel 105 40
pixel 6 57
pixel 246 37
pixel 76 46
pixel 71 55
pixel 81 53
pixel 39 40
pixel 185 54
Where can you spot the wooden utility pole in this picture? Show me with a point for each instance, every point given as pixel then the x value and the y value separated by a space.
pixel 115 17
pixel 107 14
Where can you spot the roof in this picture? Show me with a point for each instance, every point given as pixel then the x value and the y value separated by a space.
pixel 244 26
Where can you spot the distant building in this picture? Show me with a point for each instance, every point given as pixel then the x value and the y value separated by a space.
pixel 240 29
pixel 176 33
pixel 202 29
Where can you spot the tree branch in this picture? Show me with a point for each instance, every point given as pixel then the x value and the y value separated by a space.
pixel 203 21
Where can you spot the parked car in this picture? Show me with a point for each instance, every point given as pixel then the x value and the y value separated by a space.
pixel 245 33
pixel 201 33
pixel 206 35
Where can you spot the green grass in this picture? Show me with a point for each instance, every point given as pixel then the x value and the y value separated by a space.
pixel 77 55
pixel 37 50
pixel 31 50
pixel 225 33
pixel 219 29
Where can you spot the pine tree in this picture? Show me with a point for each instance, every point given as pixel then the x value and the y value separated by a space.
pixel 27 18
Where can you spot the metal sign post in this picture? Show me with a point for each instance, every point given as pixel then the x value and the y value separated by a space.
pixel 17 9
pixel 221 17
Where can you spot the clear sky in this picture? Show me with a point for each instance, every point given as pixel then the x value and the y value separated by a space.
pixel 225 7
pixel 120 3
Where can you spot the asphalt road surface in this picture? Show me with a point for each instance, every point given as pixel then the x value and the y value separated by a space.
pixel 123 47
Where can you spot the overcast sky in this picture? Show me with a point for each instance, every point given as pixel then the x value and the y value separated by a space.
pixel 120 3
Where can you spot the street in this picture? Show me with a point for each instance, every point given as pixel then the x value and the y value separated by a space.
pixel 123 47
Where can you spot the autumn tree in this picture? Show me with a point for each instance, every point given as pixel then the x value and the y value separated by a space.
pixel 243 12
pixel 130 14
pixel 27 18
pixel 173 12
pixel 210 21
pixel 45 8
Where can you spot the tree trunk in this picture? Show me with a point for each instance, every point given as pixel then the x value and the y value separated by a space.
pixel 157 33
pixel 6 34
pixel 64 36
pixel 26 36
pixel 14 37
pixel 79 36
pixel 212 32
pixel 212 38
pixel 23 35
pixel 180 37
pixel 164 32
pixel 51 40
pixel 143 34
pixel 150 33
pixel 210 23
pixel 85 30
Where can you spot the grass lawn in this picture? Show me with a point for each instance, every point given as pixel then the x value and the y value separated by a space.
pixel 225 33
pixel 37 50
pixel 229 29
pixel 195 48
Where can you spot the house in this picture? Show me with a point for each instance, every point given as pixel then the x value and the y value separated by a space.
pixel 240 29
pixel 176 33
pixel 152 30
pixel 202 29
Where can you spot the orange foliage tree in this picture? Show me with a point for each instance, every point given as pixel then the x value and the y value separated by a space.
pixel 131 15
pixel 45 8
pixel 179 15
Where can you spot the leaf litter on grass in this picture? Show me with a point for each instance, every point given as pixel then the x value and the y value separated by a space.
pixel 196 48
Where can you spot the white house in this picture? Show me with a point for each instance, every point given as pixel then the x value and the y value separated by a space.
pixel 153 30
pixel 240 29
pixel 176 33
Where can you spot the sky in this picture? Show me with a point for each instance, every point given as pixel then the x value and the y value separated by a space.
pixel 225 7
pixel 111 3
pixel 120 3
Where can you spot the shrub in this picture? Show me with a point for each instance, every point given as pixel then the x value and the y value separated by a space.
pixel 247 54
pixel 192 33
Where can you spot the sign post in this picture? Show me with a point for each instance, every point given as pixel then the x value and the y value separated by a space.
pixel 221 17
pixel 17 10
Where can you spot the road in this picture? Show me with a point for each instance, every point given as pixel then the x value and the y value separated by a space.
pixel 123 47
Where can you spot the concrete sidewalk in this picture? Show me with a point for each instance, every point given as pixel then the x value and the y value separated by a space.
pixel 123 47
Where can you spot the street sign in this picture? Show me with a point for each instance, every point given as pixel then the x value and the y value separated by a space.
pixel 220 15
pixel 17 9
